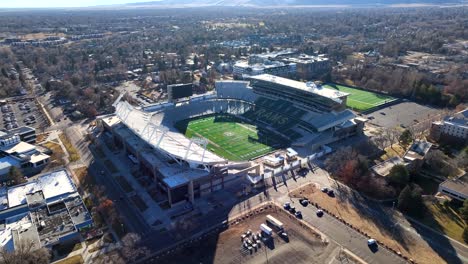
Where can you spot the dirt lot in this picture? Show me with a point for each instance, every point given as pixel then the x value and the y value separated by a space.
pixel 226 247
pixel 357 212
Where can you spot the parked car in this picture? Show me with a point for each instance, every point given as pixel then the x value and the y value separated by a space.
pixel 304 202
pixel 331 193
pixel 286 205
pixel 319 212
pixel 325 189
pixel 292 209
pixel 298 214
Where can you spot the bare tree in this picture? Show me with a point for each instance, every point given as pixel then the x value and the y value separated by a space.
pixel 391 135
pixel 131 248
pixel 24 252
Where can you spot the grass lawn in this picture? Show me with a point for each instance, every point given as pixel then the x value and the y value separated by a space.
pixel 230 137
pixel 139 203
pixel 445 219
pixel 110 165
pixel 124 183
pixel 361 100
pixel 77 259
pixel 57 154
pixel 395 150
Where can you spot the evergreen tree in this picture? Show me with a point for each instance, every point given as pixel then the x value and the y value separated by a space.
pixel 399 174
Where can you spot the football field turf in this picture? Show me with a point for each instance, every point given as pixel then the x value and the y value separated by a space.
pixel 362 100
pixel 230 137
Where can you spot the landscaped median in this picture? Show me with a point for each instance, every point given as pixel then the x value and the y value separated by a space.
pixel 72 152
pixel 355 212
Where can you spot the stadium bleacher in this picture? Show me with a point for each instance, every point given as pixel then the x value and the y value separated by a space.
pixel 279 114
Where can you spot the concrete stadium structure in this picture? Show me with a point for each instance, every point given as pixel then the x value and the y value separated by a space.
pixel 306 115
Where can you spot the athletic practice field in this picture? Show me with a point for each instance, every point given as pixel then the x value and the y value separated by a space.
pixel 230 137
pixel 361 100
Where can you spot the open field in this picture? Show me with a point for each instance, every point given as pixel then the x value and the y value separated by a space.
pixel 361 215
pixel 361 100
pixel 226 247
pixel 230 137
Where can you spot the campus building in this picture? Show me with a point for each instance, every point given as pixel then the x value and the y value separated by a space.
pixel 308 66
pixel 452 128
pixel 455 188
pixel 20 154
pixel 47 211
pixel 244 68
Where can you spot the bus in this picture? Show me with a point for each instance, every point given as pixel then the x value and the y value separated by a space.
pixel 274 222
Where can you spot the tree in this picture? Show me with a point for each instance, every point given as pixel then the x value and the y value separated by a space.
pixel 25 253
pixel 464 211
pixel 399 175
pixel 131 250
pixel 410 200
pixel 404 199
pixel 15 176
pixel 405 138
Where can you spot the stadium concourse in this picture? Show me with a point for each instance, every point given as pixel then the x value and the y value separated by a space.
pixel 201 143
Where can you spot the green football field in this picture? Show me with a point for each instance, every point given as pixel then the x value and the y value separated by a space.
pixel 230 137
pixel 361 100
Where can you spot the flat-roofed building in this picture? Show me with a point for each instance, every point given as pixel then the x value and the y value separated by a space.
pixel 455 188
pixel 46 211
pixel 383 169
pixel 309 66
pixel 452 128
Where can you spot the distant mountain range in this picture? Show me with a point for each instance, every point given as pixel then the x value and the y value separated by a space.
pixel 272 3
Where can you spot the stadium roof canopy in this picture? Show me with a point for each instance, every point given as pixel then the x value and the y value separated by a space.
pixel 307 87
pixel 171 143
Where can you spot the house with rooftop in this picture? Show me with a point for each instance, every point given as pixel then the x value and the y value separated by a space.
pixel 47 211
pixel 416 154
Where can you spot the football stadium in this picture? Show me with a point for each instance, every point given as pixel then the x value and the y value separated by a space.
pixel 197 144
pixel 361 100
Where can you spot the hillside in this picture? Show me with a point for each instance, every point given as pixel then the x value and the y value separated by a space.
pixel 265 3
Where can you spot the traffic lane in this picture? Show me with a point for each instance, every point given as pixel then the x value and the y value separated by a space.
pixel 348 237
pixel 122 205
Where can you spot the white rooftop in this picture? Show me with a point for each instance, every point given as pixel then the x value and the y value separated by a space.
pixel 53 185
pixel 20 148
pixel 173 143
pixel 322 91
pixel 14 223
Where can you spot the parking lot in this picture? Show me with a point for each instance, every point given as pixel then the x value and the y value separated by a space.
pixel 302 246
pixel 403 114
pixel 23 112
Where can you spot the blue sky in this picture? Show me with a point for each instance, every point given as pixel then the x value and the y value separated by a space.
pixel 62 3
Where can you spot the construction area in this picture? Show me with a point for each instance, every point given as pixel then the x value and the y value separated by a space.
pixel 249 241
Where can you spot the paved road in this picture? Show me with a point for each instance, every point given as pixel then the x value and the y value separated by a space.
pixel 347 237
